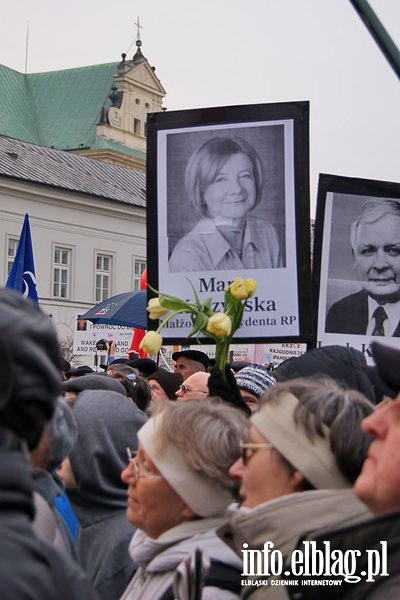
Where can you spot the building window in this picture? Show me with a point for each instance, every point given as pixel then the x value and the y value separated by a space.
pixel 12 246
pixel 138 268
pixel 103 277
pixel 61 272
pixel 136 126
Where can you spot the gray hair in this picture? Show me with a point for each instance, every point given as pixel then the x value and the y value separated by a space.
pixel 194 364
pixel 206 433
pixel 323 402
pixel 371 211
pixel 122 369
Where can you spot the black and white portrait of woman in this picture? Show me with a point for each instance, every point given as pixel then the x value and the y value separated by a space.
pixel 224 185
pixel 227 195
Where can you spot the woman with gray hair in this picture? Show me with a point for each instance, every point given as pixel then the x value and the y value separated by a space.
pixel 304 452
pixel 178 492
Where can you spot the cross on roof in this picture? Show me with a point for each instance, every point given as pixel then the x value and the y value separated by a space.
pixel 139 27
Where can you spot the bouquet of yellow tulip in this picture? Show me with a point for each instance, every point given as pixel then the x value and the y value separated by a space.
pixel 220 326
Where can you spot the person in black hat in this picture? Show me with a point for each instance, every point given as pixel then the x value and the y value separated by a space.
pixel 78 371
pixel 164 385
pixel 347 366
pixel 93 381
pixel 145 366
pixel 188 362
pixel 30 376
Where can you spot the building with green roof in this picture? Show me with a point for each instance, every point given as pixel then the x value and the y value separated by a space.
pixel 97 111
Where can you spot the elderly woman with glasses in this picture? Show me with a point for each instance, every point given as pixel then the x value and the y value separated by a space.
pixel 178 492
pixel 304 452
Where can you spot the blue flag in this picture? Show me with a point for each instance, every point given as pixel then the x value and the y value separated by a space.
pixel 22 275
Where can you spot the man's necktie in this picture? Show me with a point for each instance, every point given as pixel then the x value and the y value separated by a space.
pixel 380 317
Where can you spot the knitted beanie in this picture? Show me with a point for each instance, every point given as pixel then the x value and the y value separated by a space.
pixel 169 382
pixel 254 379
pixel 31 365
pixel 347 366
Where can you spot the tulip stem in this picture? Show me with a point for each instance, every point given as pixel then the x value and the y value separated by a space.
pixel 173 314
pixel 222 354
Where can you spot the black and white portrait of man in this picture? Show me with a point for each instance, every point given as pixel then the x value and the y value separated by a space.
pixel 374 238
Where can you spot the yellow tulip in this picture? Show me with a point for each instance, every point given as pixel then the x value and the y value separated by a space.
pixel 155 310
pixel 238 288
pixel 251 287
pixel 241 289
pixel 219 324
pixel 151 343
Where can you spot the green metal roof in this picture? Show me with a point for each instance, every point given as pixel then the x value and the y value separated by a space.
pixel 102 144
pixel 16 115
pixel 58 109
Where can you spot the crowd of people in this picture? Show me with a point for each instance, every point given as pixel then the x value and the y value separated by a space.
pixel 143 483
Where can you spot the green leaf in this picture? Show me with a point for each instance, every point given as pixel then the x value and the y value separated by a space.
pixel 174 303
pixel 199 323
pixel 199 304
pixel 207 303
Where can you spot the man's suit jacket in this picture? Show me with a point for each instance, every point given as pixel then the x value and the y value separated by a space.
pixel 350 315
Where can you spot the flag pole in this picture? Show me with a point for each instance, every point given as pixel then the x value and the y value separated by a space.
pixel 379 33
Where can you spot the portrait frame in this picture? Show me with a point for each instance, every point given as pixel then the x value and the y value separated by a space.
pixel 337 287
pixel 279 134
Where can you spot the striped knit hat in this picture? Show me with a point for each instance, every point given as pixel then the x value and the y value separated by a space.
pixel 254 379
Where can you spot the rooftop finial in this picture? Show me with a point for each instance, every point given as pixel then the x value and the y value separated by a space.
pixel 139 27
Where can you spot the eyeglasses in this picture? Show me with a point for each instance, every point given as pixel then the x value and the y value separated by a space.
pixel 185 388
pixel 248 450
pixel 139 474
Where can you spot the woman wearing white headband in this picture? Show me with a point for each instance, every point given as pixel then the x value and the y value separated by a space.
pixel 178 491
pixel 304 452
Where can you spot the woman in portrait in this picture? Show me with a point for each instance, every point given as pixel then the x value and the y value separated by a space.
pixel 223 182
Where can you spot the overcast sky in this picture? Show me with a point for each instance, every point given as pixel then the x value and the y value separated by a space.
pixel 228 52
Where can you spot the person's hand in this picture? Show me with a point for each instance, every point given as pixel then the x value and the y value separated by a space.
pixel 111 348
pixel 227 389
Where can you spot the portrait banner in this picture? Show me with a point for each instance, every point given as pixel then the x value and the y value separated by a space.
pixel 228 196
pixel 87 334
pixel 356 275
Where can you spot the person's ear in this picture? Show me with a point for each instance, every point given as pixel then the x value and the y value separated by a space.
pixel 187 513
pixel 66 474
pixel 297 480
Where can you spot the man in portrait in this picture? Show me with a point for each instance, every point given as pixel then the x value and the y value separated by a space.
pixel 81 324
pixel 375 244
